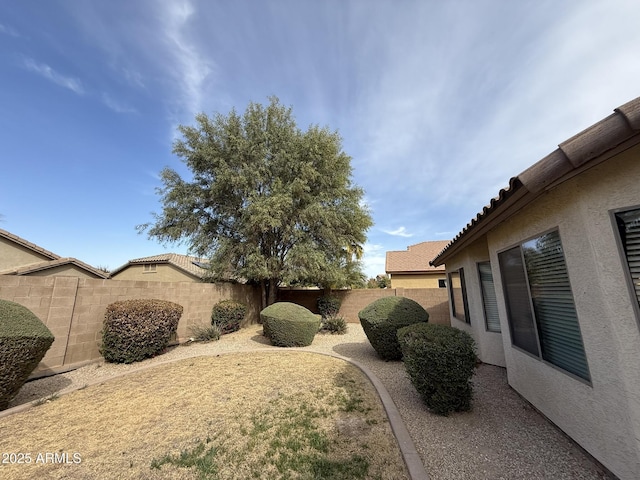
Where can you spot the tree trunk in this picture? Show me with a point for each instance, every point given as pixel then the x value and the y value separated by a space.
pixel 263 291
pixel 273 291
pixel 269 289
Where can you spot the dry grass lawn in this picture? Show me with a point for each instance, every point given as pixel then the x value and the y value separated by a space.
pixel 240 416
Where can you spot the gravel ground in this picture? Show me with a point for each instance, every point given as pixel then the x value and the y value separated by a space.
pixel 503 437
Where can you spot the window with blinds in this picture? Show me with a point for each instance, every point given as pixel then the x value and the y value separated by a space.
pixel 540 303
pixel 489 300
pixel 629 230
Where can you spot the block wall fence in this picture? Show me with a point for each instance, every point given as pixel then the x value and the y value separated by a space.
pixel 73 308
pixel 433 300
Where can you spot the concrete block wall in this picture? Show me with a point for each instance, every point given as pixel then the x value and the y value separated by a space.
pixel 73 308
pixel 433 300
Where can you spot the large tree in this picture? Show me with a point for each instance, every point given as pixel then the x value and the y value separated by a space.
pixel 267 202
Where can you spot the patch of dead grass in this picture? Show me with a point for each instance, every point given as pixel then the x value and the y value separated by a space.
pixel 253 410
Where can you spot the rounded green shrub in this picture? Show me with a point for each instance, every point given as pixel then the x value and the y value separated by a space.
pixel 24 340
pixel 228 315
pixel 137 329
pixel 440 361
pixel 381 320
pixel 289 325
pixel 328 305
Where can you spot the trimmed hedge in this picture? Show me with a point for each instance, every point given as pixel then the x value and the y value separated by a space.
pixel 137 329
pixel 382 319
pixel 228 315
pixel 440 361
pixel 24 340
pixel 289 325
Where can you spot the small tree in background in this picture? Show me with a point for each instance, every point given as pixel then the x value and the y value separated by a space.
pixel 381 281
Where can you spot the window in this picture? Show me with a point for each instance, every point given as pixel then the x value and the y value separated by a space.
pixel 489 300
pixel 149 268
pixel 458 294
pixel 540 308
pixel 442 283
pixel 629 229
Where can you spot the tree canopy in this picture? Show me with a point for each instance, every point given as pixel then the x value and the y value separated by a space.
pixel 268 202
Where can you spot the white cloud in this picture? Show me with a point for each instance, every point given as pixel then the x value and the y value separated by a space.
pixel 189 66
pixel 8 31
pixel 133 77
pixel 373 259
pixel 399 232
pixel 116 106
pixel 49 73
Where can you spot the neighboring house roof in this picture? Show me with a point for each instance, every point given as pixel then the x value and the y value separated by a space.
pixel 192 265
pixel 28 245
pixel 47 265
pixel 415 259
pixel 592 146
pixel 53 262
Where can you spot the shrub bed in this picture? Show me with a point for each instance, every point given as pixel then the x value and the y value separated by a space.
pixel 289 325
pixel 24 340
pixel 137 329
pixel 440 361
pixel 382 319
pixel 328 306
pixel 228 315
pixel 334 324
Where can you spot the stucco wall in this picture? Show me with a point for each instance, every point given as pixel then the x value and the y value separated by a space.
pixel 12 255
pixel 73 308
pixel 163 273
pixel 604 416
pixel 400 280
pixel 489 344
pixel 63 271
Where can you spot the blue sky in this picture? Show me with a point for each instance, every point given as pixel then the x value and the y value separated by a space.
pixel 438 103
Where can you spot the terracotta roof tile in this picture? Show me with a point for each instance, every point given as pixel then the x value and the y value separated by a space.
pixel 415 259
pixel 31 246
pixel 46 265
pixel 593 145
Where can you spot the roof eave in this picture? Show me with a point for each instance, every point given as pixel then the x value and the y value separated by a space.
pixel 603 140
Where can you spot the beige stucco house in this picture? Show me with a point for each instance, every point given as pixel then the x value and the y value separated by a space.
pixel 168 267
pixel 410 268
pixel 20 257
pixel 547 280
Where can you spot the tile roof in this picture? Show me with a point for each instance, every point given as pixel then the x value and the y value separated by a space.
pixel 31 246
pixel 415 259
pixel 594 145
pixel 185 263
pixel 53 262
pixel 46 265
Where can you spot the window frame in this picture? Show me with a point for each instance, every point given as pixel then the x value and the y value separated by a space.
pixel 149 268
pixel 536 324
pixel 464 316
pixel 482 295
pixel 505 294
pixel 635 302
